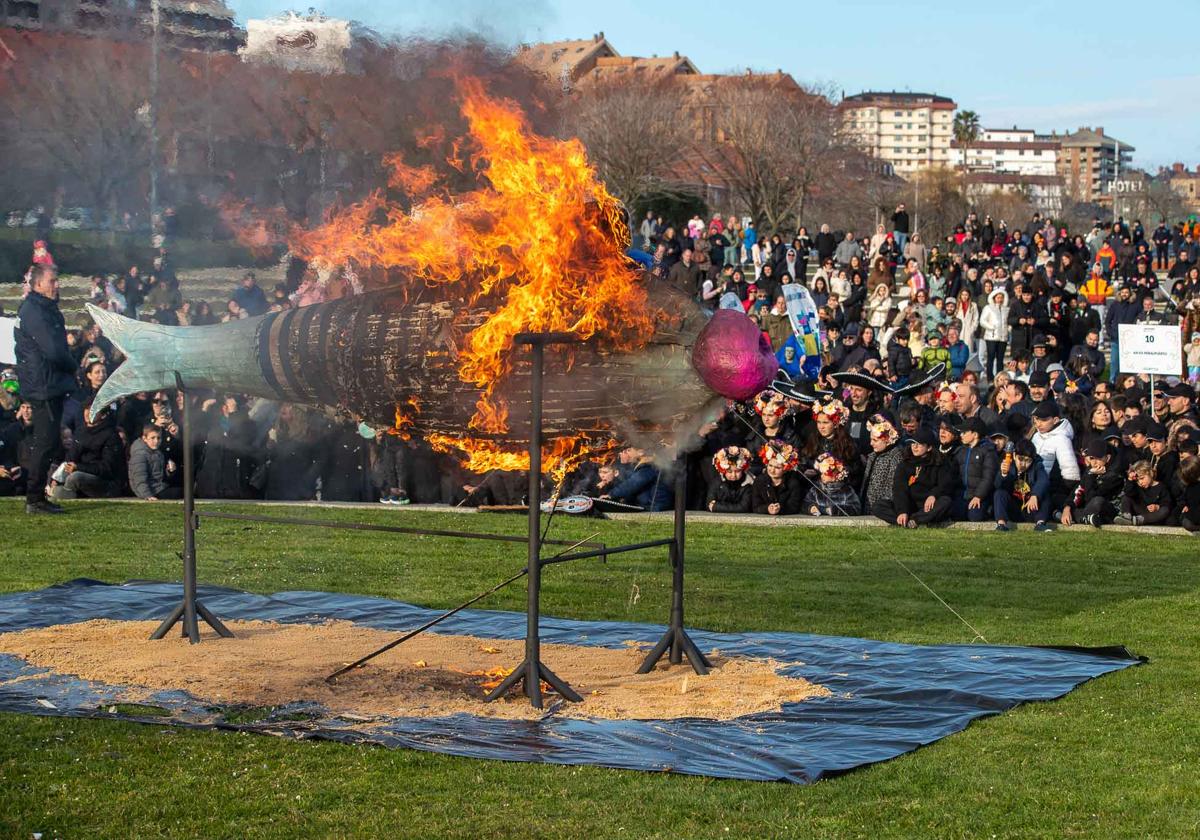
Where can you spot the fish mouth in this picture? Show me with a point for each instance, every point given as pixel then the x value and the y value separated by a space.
pixel 733 357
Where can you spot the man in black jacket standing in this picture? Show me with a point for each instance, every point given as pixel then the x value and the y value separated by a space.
pixel 45 369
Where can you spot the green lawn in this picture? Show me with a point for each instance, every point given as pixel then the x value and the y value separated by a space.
pixel 1116 758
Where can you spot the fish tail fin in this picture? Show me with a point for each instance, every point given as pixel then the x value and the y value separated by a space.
pixel 148 350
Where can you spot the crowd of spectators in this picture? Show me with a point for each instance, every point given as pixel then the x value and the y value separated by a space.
pixel 1029 419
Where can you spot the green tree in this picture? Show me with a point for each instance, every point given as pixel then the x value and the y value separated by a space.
pixel 966 132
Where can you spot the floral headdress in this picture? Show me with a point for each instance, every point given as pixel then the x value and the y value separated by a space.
pixel 770 403
pixel 775 454
pixel 732 459
pixel 945 388
pixel 833 409
pixel 883 429
pixel 830 467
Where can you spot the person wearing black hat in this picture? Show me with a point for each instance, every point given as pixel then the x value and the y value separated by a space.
pixel 1041 354
pixel 1097 501
pixel 1054 442
pixel 853 354
pixel 1162 458
pixel 1135 430
pixel 923 484
pixel 1028 317
pixel 976 464
pixel 1039 387
pixel 1022 487
pixel 1180 399
pixel 947 435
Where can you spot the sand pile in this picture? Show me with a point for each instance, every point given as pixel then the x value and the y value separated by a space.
pixel 271 664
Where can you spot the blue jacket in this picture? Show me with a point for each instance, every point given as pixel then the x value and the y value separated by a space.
pixel 645 487
pixel 45 366
pixel 1036 477
pixel 960 354
pixel 253 300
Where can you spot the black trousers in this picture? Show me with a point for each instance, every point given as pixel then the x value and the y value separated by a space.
pixel 47 445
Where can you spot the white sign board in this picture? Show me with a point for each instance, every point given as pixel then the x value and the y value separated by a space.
pixel 8 347
pixel 1150 348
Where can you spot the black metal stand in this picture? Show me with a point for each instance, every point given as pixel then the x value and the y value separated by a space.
pixel 532 670
pixel 676 641
pixel 190 608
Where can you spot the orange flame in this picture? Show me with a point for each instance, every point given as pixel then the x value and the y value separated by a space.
pixel 539 242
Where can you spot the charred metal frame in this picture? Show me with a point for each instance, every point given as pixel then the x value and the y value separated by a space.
pixel 675 642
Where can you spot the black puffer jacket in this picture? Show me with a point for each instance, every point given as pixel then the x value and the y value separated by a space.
pixel 45 366
pixel 919 478
pixel 98 450
pixel 729 496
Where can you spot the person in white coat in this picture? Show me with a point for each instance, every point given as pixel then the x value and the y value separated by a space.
pixel 879 305
pixel 993 322
pixel 1054 441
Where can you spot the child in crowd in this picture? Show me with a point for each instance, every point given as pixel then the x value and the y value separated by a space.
pixel 1193 359
pixel 1022 486
pixel 730 492
pixel 777 492
pixel 832 496
pixel 934 353
pixel 1147 500
pixel 900 360
pixel 1097 499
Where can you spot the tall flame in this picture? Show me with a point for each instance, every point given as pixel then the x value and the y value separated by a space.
pixel 539 242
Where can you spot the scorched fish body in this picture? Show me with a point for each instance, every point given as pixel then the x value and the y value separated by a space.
pixel 373 353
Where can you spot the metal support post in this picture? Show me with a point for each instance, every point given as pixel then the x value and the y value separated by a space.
pixel 532 671
pixel 676 642
pixel 191 608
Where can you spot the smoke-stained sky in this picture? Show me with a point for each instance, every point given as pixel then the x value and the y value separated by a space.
pixel 1131 69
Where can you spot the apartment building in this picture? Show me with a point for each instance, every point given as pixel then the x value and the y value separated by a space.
pixel 1015 151
pixel 911 131
pixel 1089 160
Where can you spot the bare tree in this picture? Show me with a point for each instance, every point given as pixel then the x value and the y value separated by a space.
pixel 75 107
pixel 635 134
pixel 782 139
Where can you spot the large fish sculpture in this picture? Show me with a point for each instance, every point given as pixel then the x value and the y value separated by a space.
pixel 378 355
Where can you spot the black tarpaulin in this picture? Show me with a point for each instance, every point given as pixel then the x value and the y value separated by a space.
pixel 887 699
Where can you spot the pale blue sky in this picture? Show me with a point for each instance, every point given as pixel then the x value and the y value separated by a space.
pixel 1129 67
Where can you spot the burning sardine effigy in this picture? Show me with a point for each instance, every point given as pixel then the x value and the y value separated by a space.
pixel 375 355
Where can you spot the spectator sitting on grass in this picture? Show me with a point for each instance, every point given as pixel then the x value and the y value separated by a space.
pixel 1189 475
pixel 729 491
pixel 778 492
pixel 149 467
pixel 831 495
pixel 97 458
pixel 1097 500
pixel 643 486
pixel 923 484
pixel 1147 500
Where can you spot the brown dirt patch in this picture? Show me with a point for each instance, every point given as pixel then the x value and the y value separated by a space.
pixel 271 664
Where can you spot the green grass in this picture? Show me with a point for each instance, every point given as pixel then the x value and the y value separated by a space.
pixel 1120 757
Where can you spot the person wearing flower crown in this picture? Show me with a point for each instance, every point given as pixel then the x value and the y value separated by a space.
pixel 778 491
pixel 730 492
pixel 880 471
pixel 832 494
pixel 830 436
pixel 775 420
